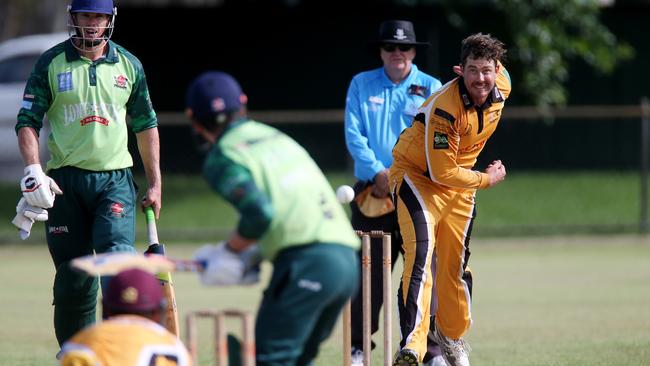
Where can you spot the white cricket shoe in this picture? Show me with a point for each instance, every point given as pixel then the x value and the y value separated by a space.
pixel 356 359
pixel 454 351
pixel 436 361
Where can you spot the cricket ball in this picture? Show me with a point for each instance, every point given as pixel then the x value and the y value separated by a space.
pixel 345 194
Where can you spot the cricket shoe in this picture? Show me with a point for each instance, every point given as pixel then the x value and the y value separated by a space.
pixel 454 351
pixel 436 361
pixel 406 357
pixel 356 358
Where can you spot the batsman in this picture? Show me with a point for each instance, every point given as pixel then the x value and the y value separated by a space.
pixel 289 209
pixel 86 86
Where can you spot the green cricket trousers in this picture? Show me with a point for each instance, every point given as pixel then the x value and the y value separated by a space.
pixel 95 213
pixel 308 288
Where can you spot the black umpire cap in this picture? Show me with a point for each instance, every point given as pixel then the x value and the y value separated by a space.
pixel 398 32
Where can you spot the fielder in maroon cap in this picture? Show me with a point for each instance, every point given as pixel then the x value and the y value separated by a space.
pixel 131 332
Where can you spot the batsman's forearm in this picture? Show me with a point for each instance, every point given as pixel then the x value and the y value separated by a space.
pixel 149 147
pixel 28 143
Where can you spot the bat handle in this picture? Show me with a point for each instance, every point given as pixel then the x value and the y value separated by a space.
pixel 152 233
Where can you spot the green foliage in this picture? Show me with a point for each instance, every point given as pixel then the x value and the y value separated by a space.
pixel 545 35
pixel 549 33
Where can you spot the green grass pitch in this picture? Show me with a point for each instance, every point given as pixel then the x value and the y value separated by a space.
pixel 556 300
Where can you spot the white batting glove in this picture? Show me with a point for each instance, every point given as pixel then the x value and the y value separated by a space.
pixel 223 267
pixel 38 189
pixel 24 225
pixel 31 212
pixel 26 214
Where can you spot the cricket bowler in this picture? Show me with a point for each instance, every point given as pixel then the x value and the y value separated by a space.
pixel 434 185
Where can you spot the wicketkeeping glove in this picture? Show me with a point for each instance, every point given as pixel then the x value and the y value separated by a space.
pixel 38 189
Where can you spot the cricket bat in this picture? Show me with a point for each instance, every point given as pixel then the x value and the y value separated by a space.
pixel 165 278
pixel 110 264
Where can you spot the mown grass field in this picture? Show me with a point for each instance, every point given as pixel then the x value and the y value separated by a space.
pixel 526 203
pixel 541 297
pixel 574 301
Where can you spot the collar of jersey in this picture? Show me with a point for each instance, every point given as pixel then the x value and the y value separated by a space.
pixel 494 97
pixel 389 84
pixel 71 53
pixel 232 125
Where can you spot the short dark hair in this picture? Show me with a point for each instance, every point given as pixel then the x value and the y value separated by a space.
pixel 482 46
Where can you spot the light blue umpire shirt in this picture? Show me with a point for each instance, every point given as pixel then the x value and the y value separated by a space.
pixel 377 111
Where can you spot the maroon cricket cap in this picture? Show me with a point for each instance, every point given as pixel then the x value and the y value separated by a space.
pixel 133 290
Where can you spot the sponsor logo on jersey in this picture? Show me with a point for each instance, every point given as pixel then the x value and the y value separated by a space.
pixel 472 148
pixel 121 81
pixel 28 101
pixel 57 230
pixel 494 116
pixel 90 112
pixel 65 81
pixel 116 209
pixel 91 119
pixel 466 100
pixel 420 90
pixel 310 285
pixel 497 96
pixel 376 100
pixel 440 141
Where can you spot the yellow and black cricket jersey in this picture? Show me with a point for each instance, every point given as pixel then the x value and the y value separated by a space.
pixel 435 190
pixel 125 340
pixel 449 132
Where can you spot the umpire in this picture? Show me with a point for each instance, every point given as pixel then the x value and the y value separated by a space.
pixel 380 103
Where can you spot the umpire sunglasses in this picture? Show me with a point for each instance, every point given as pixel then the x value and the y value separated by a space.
pixel 390 47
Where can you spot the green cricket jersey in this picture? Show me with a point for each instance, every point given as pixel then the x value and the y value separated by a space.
pixel 283 197
pixel 86 104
